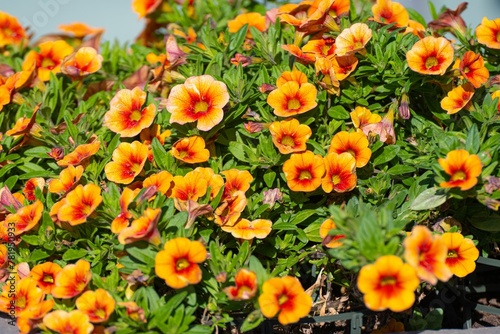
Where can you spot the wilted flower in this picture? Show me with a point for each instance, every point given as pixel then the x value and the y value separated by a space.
pixel 272 196
pixel 451 20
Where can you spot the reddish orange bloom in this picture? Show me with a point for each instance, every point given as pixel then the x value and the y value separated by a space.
pixel 230 209
pixel 488 33
pixel 145 7
pixel 303 171
pixel 74 322
pixel 79 29
pixel 25 218
pixel 247 230
pixel 128 161
pixel 48 59
pixel 320 47
pixel 386 11
pixel 190 150
pixel 214 181
pixel 143 228
pixel 4 97
pixel 236 180
pixel 343 66
pixel 352 39
pixel 162 181
pixel 126 198
pixel 245 286
pixel 462 253
pixel 255 20
pixel 473 69
pixel 72 280
pixel 30 321
pixel 464 168
pixel 80 155
pixel 285 297
pixel 97 305
pixel 178 265
pixel 30 187
pixel 294 75
pixel 362 116
pixel 458 98
pixel 190 186
pixel 68 178
pixel 11 32
pixel 26 297
pixel 81 63
pixel 340 173
pixel 302 57
pixel 388 284
pixel 290 99
pixel 126 115
pixel 340 8
pixel 25 125
pixel 290 136
pixel 4 256
pixel 198 99
pixel 45 275
pixel 427 254
pixel 330 241
pixel 354 143
pixel 431 55
pixel 80 203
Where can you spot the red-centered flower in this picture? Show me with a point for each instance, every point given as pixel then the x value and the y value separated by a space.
pixel 290 99
pixel 320 47
pixel 340 173
pixel 330 241
pixel 303 171
pixel 72 280
pixel 427 254
pixel 464 168
pixel 191 150
pixel 80 155
pixel 128 161
pixel 81 63
pixel 352 39
pixel 178 263
pixel 462 253
pixel 388 284
pixel 245 285
pixel 354 143
pixel 126 115
pixel 189 187
pixel 387 12
pixel 45 275
pixel 122 221
pixel 488 33
pixel 285 297
pixel 143 228
pixel 200 99
pixel 473 69
pixel 30 187
pixel 97 305
pixel 11 32
pixel 431 55
pixel 343 66
pixel 68 178
pixel 145 7
pixel 162 181
pixel 236 180
pixel 230 209
pixel 25 218
pixel 26 296
pixel 289 136
pixel 48 59
pixel 79 204
pixel 74 322
pixel 248 230
pixel 458 98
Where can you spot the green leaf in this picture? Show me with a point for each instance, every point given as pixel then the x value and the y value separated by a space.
pixel 302 216
pixel 38 255
pixel 160 154
pixel 238 149
pixel 388 153
pixel 338 112
pixel 238 38
pixel 269 177
pixel 253 320
pixel 429 199
pixel 473 141
pixel 312 232
pixel 401 169
pixel 74 254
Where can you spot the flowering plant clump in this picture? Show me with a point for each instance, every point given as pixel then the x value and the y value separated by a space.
pixel 241 162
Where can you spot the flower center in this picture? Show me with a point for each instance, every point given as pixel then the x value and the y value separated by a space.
pixel 388 280
pixel 183 154
pixel 200 106
pixel 335 179
pixel 452 254
pixel 181 264
pixel 466 70
pixel 498 36
pixel 351 152
pixel 282 299
pixel 48 63
pixel 287 141
pixel 135 115
pixel 21 302
pixel 458 176
pixel 100 313
pixel 431 62
pixel 305 175
pixel 293 104
pixel 48 278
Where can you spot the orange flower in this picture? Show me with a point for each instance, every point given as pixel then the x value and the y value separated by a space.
pixel 190 150
pixel 457 98
pixel 25 218
pixel 302 57
pixel 97 305
pixel 462 253
pixel 80 155
pixel 26 296
pixel 386 11
pixel 128 161
pixel 68 178
pixel 74 322
pixel 255 20
pixel 79 204
pixel 178 265
pixel 4 97
pixel 343 66
pixel 230 209
pixel 294 75
pixel 340 8
pixel 30 187
pixel 352 39
pixel 320 47
pixel 236 180
pixel 79 29
pixel 290 136
pixel 11 32
pixel 488 33
pixel 126 198
pixel 214 181
pixel 388 284
pixel 464 168
pixel 473 69
pixel 30 321
pixel 286 297
pixel 415 28
pixel 125 115
pixel 45 275
pixel 72 279
pixel 25 125
pixel 48 59
pixel 247 230
pixel 4 256
pixel 354 143
pixel 81 63
pixel 245 286
pixel 162 181
pixel 198 99
pixel 362 116
pixel 145 7
pixel 303 171
pixel 143 228
pixel 189 187
pixel 427 254
pixel 340 173
pixel 291 99
pixel 330 241
pixel 431 55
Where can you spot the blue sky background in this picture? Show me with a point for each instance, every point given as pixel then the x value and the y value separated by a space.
pixel 116 16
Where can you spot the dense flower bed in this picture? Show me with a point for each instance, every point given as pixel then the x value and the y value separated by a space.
pixel 240 162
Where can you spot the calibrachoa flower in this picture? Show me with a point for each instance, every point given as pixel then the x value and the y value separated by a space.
pixel 83 62
pixel 236 180
pixel 68 178
pixel 72 280
pixel 30 187
pixel 97 305
pixel 135 312
pixel 245 286
pixel 285 297
pixel 80 155
pixel 126 114
pixel 4 256
pixel 289 136
pixel 122 221
pixel 143 228
pixel 11 32
pixel 145 7
pixel 294 75
pixel 462 253
pixel 488 33
pixel 255 20
pixel 128 161
pixel 290 99
pixel 27 295
pixel 464 168
pixel 427 254
pixel 45 275
pixel 62 322
pixel 48 59
pixel 352 39
pixel 458 98
pixel 26 217
pixel 248 230
pixel 431 55
pixel 354 143
pixel 198 99
pixel 79 204
pixel 340 173
pixel 303 171
pixel 388 284
pixel 230 209
pixel 214 181
pixel 189 187
pixel 178 265
pixel 387 12
pixel 79 29
pixel 162 181
pixel 330 241
pixel 362 116
pixel 190 150
pixel 343 66
pixel 473 69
